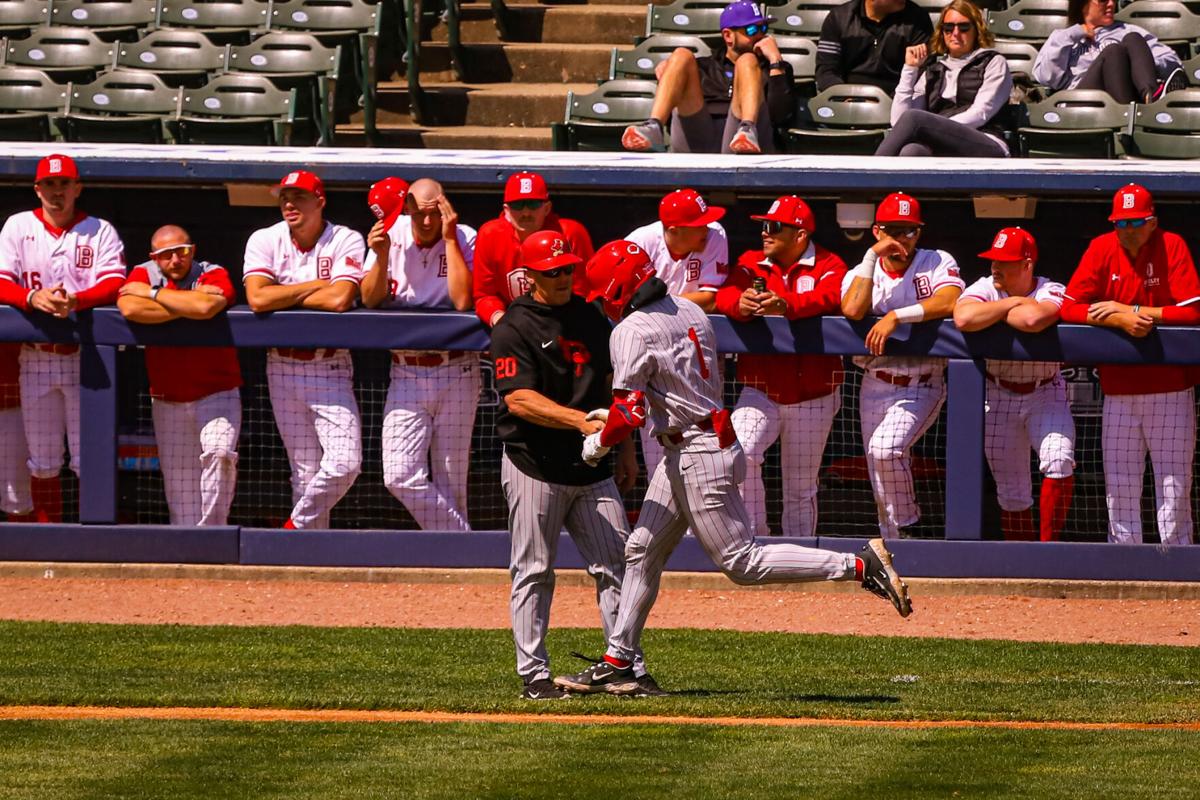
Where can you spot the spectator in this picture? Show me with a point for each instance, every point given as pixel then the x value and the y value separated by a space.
pixel 1133 278
pixel 423 260
pixel 306 262
pixel 789 398
pixel 1098 52
pixel 951 91
pixel 1026 400
pixel 194 395
pixel 498 275
pixel 54 260
pixel 864 41
pixel 901 395
pixel 721 104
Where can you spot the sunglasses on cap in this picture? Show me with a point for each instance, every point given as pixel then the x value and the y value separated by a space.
pixel 755 29
pixel 772 227
pixel 900 231
pixel 526 205
pixel 1132 223
pixel 183 250
pixel 569 269
pixel 961 27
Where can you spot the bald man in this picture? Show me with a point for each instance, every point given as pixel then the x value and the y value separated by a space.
pixel 419 260
pixel 194 397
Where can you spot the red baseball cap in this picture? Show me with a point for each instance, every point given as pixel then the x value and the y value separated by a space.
pixel 386 199
pixel 898 207
pixel 685 208
pixel 525 186
pixel 790 210
pixel 300 179
pixel 1132 202
pixel 547 250
pixel 1012 244
pixel 56 166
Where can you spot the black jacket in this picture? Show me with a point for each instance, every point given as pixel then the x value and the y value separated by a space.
pixel 853 49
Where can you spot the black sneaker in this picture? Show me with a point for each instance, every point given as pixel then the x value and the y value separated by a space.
pixel 543 689
pixel 648 687
pixel 879 576
pixel 601 676
pixel 1176 80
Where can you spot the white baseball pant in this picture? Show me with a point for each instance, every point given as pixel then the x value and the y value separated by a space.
pixel 893 419
pixel 50 408
pixel 802 430
pixel 1163 424
pixel 594 517
pixel 1014 423
pixel 197 449
pixel 318 420
pixel 427 423
pixel 696 486
pixel 14 471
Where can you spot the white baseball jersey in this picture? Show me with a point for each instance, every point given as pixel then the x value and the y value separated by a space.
pixel 672 358
pixel 929 271
pixel 417 275
pixel 337 255
pixel 35 255
pixel 984 290
pixel 695 272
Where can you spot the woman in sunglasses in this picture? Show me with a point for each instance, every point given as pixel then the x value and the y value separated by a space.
pixel 1098 52
pixel 951 91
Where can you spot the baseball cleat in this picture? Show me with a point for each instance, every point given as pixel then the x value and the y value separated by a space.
pixel 644 138
pixel 745 141
pixel 543 689
pixel 600 677
pixel 880 577
pixel 647 687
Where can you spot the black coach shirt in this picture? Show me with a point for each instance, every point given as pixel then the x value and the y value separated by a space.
pixel 560 352
pixel 855 49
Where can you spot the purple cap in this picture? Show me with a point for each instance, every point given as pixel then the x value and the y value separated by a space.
pixel 741 13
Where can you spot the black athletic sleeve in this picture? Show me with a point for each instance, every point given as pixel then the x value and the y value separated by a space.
pixel 514 359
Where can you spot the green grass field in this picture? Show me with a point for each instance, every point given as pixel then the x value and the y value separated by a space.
pixel 710 673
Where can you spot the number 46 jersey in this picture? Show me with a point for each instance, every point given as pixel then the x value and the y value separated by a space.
pixel 668 350
pixel 34 254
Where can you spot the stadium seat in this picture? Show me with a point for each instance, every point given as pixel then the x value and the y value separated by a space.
pixel 1077 123
pixel 1020 56
pixel 1031 20
pixel 801 53
pixel 1192 68
pixel 639 63
pixel 299 61
pixel 242 109
pixel 19 17
pixel 695 17
pixel 111 20
pixel 1172 22
pixel 179 57
pixel 65 54
pixel 1169 127
pixel 802 17
pixel 223 21
pixel 595 121
pixel 30 102
pixel 846 119
pixel 121 105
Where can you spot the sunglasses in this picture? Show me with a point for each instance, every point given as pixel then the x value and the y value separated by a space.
pixel 1132 223
pixel 183 250
pixel 526 205
pixel 900 231
pixel 773 227
pixel 755 29
pixel 569 269
pixel 961 27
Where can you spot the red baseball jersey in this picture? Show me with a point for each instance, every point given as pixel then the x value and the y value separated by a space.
pixel 1162 275
pixel 186 374
pixel 498 275
pixel 812 287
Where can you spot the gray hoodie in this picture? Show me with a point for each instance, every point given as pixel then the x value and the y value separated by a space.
pixel 1066 56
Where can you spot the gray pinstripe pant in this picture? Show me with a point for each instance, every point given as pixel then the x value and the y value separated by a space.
pixel 697 486
pixel 595 518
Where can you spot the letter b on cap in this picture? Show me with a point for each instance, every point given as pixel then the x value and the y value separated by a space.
pixel 1001 240
pixel 526 186
pixel 1128 200
pixel 905 208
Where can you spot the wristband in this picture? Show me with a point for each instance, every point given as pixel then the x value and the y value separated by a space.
pixel 154 293
pixel 867 268
pixel 29 297
pixel 1137 308
pixel 776 65
pixel 913 313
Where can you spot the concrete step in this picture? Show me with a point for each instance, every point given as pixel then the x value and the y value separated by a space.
pixel 500 105
pixel 462 137
pixel 522 62
pixel 610 23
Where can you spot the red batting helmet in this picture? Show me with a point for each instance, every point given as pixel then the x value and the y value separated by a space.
pixel 547 250
pixel 615 272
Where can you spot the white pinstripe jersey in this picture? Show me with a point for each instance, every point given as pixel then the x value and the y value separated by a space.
pixel 695 272
pixel 668 350
pixel 337 255
pixel 35 257
pixel 417 275
pixel 929 271
pixel 1045 290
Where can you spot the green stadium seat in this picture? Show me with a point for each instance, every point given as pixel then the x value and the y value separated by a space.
pixel 846 119
pixel 1172 22
pixel 1077 123
pixel 801 53
pixel 242 109
pixel 1192 68
pixel 65 54
pixel 295 61
pixel 223 21
pixel 802 17
pixel 179 57
pixel 639 63
pixel 1020 56
pixel 695 17
pixel 121 105
pixel 1031 20
pixel 1169 127
pixel 111 20
pixel 595 121
pixel 30 102
pixel 19 17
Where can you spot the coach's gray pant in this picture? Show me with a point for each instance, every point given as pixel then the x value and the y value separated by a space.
pixel 595 518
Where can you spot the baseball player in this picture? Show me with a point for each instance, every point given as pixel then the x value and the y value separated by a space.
pixel 664 353
pixel 498 275
pixel 552 365
pixel 54 260
pixel 194 396
pixel 900 395
pixel 15 499
pixel 1133 278
pixel 306 262
pixel 1026 400
pixel 423 260
pixel 790 398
